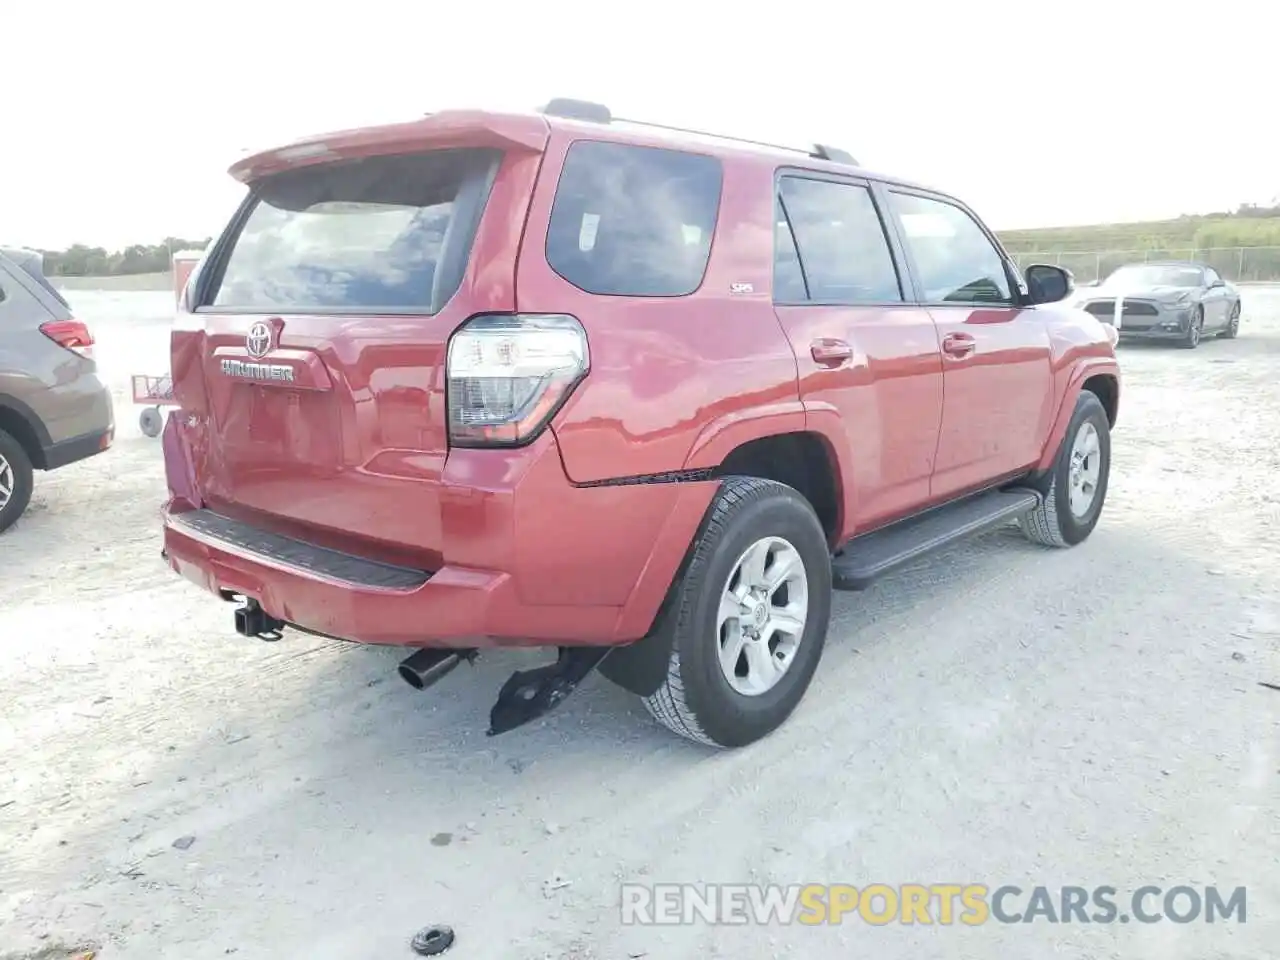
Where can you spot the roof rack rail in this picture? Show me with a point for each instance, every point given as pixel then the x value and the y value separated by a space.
pixel 598 113
pixel 577 110
pixel 823 151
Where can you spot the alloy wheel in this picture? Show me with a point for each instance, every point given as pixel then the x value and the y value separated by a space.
pixel 763 609
pixel 7 482
pixel 1084 470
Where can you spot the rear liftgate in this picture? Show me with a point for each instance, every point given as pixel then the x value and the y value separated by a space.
pixel 526 696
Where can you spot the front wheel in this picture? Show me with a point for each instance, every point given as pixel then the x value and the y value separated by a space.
pixel 1195 329
pixel 1233 324
pixel 1078 481
pixel 749 617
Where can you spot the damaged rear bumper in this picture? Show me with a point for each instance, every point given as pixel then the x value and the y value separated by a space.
pixel 528 557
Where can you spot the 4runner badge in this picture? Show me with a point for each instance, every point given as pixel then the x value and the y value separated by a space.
pixel 243 370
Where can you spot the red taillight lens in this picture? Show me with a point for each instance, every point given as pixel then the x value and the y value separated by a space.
pixel 509 375
pixel 72 334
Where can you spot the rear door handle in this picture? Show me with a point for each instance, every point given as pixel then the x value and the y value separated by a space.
pixel 958 344
pixel 829 352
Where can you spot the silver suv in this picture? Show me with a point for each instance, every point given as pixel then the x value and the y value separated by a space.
pixel 53 408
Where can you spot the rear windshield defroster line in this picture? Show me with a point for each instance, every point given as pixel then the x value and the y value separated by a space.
pixel 387 234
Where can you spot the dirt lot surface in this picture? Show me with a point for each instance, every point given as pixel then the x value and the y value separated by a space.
pixel 997 714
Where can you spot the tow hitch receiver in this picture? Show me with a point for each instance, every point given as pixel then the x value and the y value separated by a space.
pixel 528 694
pixel 253 621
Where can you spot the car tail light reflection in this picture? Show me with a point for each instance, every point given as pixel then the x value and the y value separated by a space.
pixel 71 334
pixel 508 375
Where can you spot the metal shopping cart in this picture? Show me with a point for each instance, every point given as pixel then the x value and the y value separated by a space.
pixel 156 392
pixel 153 393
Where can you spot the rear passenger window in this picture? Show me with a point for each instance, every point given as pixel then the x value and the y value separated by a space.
pixel 633 221
pixel 843 253
pixel 390 233
pixel 788 278
pixel 954 259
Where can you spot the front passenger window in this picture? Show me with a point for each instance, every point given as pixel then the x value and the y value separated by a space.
pixel 955 261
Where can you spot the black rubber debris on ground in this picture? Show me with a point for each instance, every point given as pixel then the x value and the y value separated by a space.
pixel 432 941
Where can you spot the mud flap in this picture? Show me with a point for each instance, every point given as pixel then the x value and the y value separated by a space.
pixel 640 667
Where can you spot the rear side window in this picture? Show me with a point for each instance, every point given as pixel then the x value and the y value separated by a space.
pixel 386 234
pixel 954 259
pixel 634 221
pixel 842 254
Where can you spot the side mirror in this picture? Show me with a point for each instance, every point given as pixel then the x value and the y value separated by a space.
pixel 1049 284
pixel 1217 283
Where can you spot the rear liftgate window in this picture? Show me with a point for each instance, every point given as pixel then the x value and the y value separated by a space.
pixel 383 234
pixel 634 221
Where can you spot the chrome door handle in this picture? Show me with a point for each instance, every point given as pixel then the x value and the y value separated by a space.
pixel 830 352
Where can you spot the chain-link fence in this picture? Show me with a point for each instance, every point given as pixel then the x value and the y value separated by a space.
pixel 1239 264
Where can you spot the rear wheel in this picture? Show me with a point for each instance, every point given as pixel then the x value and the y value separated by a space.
pixel 1233 324
pixel 1078 481
pixel 1195 329
pixel 15 481
pixel 749 617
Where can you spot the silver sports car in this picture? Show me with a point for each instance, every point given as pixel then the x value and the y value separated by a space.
pixel 1171 300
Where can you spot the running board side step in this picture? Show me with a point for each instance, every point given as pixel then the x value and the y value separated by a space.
pixel 866 559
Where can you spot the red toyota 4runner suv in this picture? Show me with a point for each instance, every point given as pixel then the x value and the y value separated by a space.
pixel 643 395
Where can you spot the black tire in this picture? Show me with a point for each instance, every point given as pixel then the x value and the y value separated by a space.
pixel 696 700
pixel 1233 324
pixel 19 466
pixel 1195 331
pixel 1053 524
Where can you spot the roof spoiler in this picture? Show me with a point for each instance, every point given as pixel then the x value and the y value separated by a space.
pixel 32 261
pixel 32 264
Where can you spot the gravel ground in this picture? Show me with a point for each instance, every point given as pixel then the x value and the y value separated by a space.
pixel 995 714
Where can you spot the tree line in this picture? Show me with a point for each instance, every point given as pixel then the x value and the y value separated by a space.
pixel 79 260
pixel 1237 228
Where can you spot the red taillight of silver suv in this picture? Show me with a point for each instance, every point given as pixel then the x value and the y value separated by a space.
pixel 70 334
pixel 508 375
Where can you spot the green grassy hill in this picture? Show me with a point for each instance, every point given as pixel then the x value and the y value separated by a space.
pixel 1185 232
pixel 1243 246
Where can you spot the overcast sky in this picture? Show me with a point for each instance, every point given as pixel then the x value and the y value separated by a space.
pixel 119 119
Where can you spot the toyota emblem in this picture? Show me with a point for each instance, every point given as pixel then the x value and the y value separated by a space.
pixel 258 342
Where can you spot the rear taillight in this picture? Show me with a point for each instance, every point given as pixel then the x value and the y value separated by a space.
pixel 508 375
pixel 72 334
